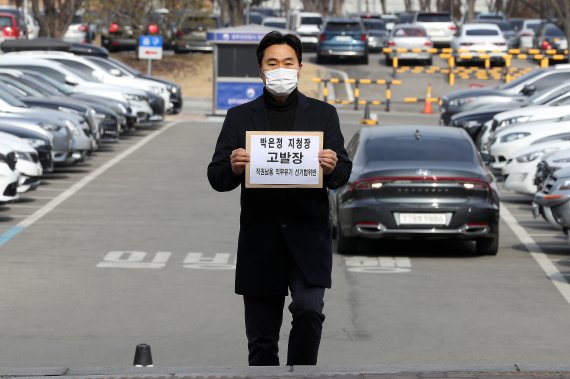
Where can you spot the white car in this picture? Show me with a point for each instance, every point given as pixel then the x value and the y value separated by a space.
pixel 274 22
pixel 438 25
pixel 81 83
pixel 520 172
pixel 9 176
pixel 28 163
pixel 476 38
pixel 524 37
pixel 90 69
pixel 507 142
pixel 530 114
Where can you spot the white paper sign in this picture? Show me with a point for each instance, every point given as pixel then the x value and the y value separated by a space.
pixel 284 159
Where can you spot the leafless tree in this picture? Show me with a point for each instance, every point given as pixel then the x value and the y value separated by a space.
pixel 408 5
pixel 561 13
pixel 425 5
pixel 56 15
pixel 383 6
pixel 470 10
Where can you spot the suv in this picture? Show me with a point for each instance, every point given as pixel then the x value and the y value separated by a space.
pixel 439 26
pixel 8 27
pixel 550 36
pixel 191 33
pixel 20 20
pixel 120 35
pixel 343 37
pixel 307 25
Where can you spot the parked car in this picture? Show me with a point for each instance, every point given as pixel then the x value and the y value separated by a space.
pixel 408 37
pixel 549 164
pixel 415 182
pixel 439 26
pixel 519 173
pixel 390 20
pixel 20 20
pixel 476 38
pixel 526 85
pixel 307 25
pixel 343 37
pixel 32 26
pixel 377 33
pixel 8 27
pixel 34 134
pixel 507 142
pixel 192 32
pixel 8 174
pixel 275 22
pixel 489 16
pixel 78 31
pixel 28 162
pixel 507 29
pixel 524 36
pixel 550 37
pixel 121 34
pixel 554 198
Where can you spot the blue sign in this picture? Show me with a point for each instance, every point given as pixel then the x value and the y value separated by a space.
pixel 228 95
pixel 150 41
pixel 236 37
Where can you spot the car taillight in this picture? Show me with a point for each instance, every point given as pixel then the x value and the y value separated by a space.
pixel 527 34
pixel 452 27
pixel 153 29
pixel 10 32
pixel 391 43
pixel 363 37
pixel 427 43
pixel 322 37
pixel 545 45
pixel 83 28
pixel 179 33
pixel 471 184
pixel 114 28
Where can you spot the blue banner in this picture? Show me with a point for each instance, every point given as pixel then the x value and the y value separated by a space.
pixel 236 37
pixel 229 95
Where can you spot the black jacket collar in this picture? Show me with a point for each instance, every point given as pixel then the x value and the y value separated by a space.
pixel 259 115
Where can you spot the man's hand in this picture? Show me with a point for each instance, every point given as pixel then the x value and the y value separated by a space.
pixel 238 160
pixel 327 159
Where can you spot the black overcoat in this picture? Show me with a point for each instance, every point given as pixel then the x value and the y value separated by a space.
pixel 270 218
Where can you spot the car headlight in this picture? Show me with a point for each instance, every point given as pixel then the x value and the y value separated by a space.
pixel 530 156
pixel 460 102
pixel 24 156
pixel 35 142
pixel 565 185
pixel 514 120
pixel 173 89
pixel 469 124
pixel 49 127
pixel 122 108
pixel 513 137
pixel 131 97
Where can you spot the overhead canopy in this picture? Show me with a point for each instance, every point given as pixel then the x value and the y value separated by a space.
pixel 251 33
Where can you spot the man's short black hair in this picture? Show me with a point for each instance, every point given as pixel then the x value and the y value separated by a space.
pixel 276 38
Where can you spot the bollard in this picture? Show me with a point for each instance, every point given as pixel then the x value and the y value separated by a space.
pixel 143 357
pixel 325 90
pixel 451 64
pixel 507 69
pixel 544 62
pixel 487 64
pixel 356 94
pixel 388 95
pixel 367 119
pixel 395 66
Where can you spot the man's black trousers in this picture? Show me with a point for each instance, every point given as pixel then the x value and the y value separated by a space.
pixel 264 315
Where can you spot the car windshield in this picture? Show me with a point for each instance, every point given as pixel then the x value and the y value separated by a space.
pixel 53 83
pixel 504 26
pixel 520 80
pixel 311 20
pixel 481 32
pixel 553 31
pixel 343 27
pixel 409 32
pixel 5 22
pixel 434 17
pixel 10 99
pixel 374 25
pixel 126 67
pixel 275 24
pixel 533 26
pixel 427 148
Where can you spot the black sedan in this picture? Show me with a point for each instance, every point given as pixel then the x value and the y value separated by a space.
pixel 416 182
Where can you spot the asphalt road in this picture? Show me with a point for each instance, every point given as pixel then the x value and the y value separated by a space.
pixel 135 247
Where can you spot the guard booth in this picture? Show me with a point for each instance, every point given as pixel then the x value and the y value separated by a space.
pixel 236 71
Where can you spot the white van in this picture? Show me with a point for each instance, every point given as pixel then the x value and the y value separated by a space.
pixel 307 25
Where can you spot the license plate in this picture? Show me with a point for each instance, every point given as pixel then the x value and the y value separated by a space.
pixel 423 219
pixel 343 38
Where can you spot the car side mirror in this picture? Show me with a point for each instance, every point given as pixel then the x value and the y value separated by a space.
pixel 115 72
pixel 71 80
pixel 528 89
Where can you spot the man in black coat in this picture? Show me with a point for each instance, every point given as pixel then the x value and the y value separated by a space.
pixel 285 233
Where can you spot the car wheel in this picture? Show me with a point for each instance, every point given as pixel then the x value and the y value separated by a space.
pixel 345 245
pixel 488 245
pixel 364 59
pixel 320 59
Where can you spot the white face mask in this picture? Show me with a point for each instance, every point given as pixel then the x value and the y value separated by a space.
pixel 281 81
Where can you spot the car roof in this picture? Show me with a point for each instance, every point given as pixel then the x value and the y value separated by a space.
pixel 343 19
pixel 483 25
pixel 410 130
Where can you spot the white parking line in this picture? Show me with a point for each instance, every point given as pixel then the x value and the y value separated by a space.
pixel 92 176
pixel 539 256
